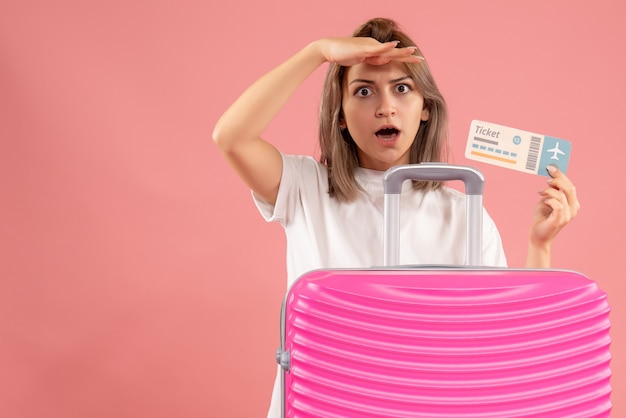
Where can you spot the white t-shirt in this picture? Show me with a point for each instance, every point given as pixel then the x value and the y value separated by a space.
pixel 323 232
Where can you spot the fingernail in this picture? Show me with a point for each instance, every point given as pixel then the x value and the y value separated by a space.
pixel 551 168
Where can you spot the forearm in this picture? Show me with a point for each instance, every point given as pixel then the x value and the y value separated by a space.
pixel 539 256
pixel 250 114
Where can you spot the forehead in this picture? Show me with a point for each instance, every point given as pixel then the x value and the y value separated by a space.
pixel 376 73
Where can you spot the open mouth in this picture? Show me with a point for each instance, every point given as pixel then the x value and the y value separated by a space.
pixel 387 134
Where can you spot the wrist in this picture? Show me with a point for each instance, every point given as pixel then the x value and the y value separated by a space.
pixel 317 50
pixel 539 255
pixel 540 245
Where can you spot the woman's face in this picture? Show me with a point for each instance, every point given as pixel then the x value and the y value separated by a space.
pixel 382 110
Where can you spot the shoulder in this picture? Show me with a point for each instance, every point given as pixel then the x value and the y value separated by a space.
pixel 303 168
pixel 304 174
pixel 304 164
pixel 303 183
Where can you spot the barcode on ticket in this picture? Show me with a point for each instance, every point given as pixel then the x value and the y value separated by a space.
pixel 516 149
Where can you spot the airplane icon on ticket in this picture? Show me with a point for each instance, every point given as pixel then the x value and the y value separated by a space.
pixel 556 152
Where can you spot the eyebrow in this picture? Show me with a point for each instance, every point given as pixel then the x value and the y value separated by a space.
pixel 395 80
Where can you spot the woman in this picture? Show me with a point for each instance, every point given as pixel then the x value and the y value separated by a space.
pixel 380 108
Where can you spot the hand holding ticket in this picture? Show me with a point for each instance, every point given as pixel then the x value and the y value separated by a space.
pixel 516 149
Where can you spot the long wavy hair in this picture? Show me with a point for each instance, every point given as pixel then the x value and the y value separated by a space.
pixel 338 149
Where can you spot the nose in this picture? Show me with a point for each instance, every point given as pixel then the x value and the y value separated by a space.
pixel 386 106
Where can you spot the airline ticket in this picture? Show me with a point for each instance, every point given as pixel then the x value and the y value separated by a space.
pixel 516 149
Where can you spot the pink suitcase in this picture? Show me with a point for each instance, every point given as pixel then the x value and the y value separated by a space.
pixel 444 341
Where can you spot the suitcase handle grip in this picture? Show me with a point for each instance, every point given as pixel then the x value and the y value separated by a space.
pixel 474 184
pixel 395 176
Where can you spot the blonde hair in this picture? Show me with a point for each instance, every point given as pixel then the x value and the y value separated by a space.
pixel 338 149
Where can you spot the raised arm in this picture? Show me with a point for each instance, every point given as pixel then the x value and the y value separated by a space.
pixel 238 132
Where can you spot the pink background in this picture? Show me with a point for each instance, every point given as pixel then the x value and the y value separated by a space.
pixel 137 278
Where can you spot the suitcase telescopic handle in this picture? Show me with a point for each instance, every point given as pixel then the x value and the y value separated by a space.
pixel 474 184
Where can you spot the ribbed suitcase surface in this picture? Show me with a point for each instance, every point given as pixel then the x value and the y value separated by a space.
pixel 446 343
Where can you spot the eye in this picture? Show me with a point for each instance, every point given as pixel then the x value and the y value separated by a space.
pixel 363 92
pixel 403 88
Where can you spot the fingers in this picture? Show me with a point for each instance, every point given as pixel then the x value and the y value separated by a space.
pixel 560 182
pixel 385 59
pixel 405 54
pixel 354 50
pixel 560 199
pixel 559 206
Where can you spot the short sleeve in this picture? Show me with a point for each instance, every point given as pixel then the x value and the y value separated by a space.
pixel 277 212
pixel 300 184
